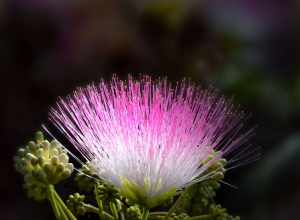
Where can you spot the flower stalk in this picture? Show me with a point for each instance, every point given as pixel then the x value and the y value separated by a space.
pixel 145 213
pixel 53 202
pixel 102 214
pixel 60 209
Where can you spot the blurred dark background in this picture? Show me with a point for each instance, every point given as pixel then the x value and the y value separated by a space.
pixel 248 49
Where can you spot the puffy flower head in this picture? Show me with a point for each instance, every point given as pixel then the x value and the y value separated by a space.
pixel 147 137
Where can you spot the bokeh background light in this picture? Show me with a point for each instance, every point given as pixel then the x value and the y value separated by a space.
pixel 246 48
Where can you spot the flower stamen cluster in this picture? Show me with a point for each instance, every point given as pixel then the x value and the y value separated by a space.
pixel 147 137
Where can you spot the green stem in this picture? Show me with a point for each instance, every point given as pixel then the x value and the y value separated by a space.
pixel 100 204
pixel 63 214
pixel 173 208
pixel 145 214
pixel 158 213
pixel 122 216
pixel 114 210
pixel 63 205
pixel 53 203
pixel 201 217
pixel 93 209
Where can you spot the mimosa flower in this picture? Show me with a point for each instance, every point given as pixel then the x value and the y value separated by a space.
pixel 147 137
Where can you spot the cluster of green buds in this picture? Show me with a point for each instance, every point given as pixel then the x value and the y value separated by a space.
pixel 110 197
pixel 42 163
pixel 76 204
pixel 134 212
pixel 137 212
pixel 216 170
pixel 107 192
pixel 219 213
pixel 83 178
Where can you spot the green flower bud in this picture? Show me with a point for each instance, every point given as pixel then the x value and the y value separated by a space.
pixel 21 152
pixel 216 169
pixel 45 144
pixel 65 174
pixel 218 175
pixel 40 152
pixel 54 152
pixel 70 167
pixel 48 168
pixel 60 168
pixel 63 158
pixel 54 160
pixel 31 157
pixel 32 146
pixel 39 136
